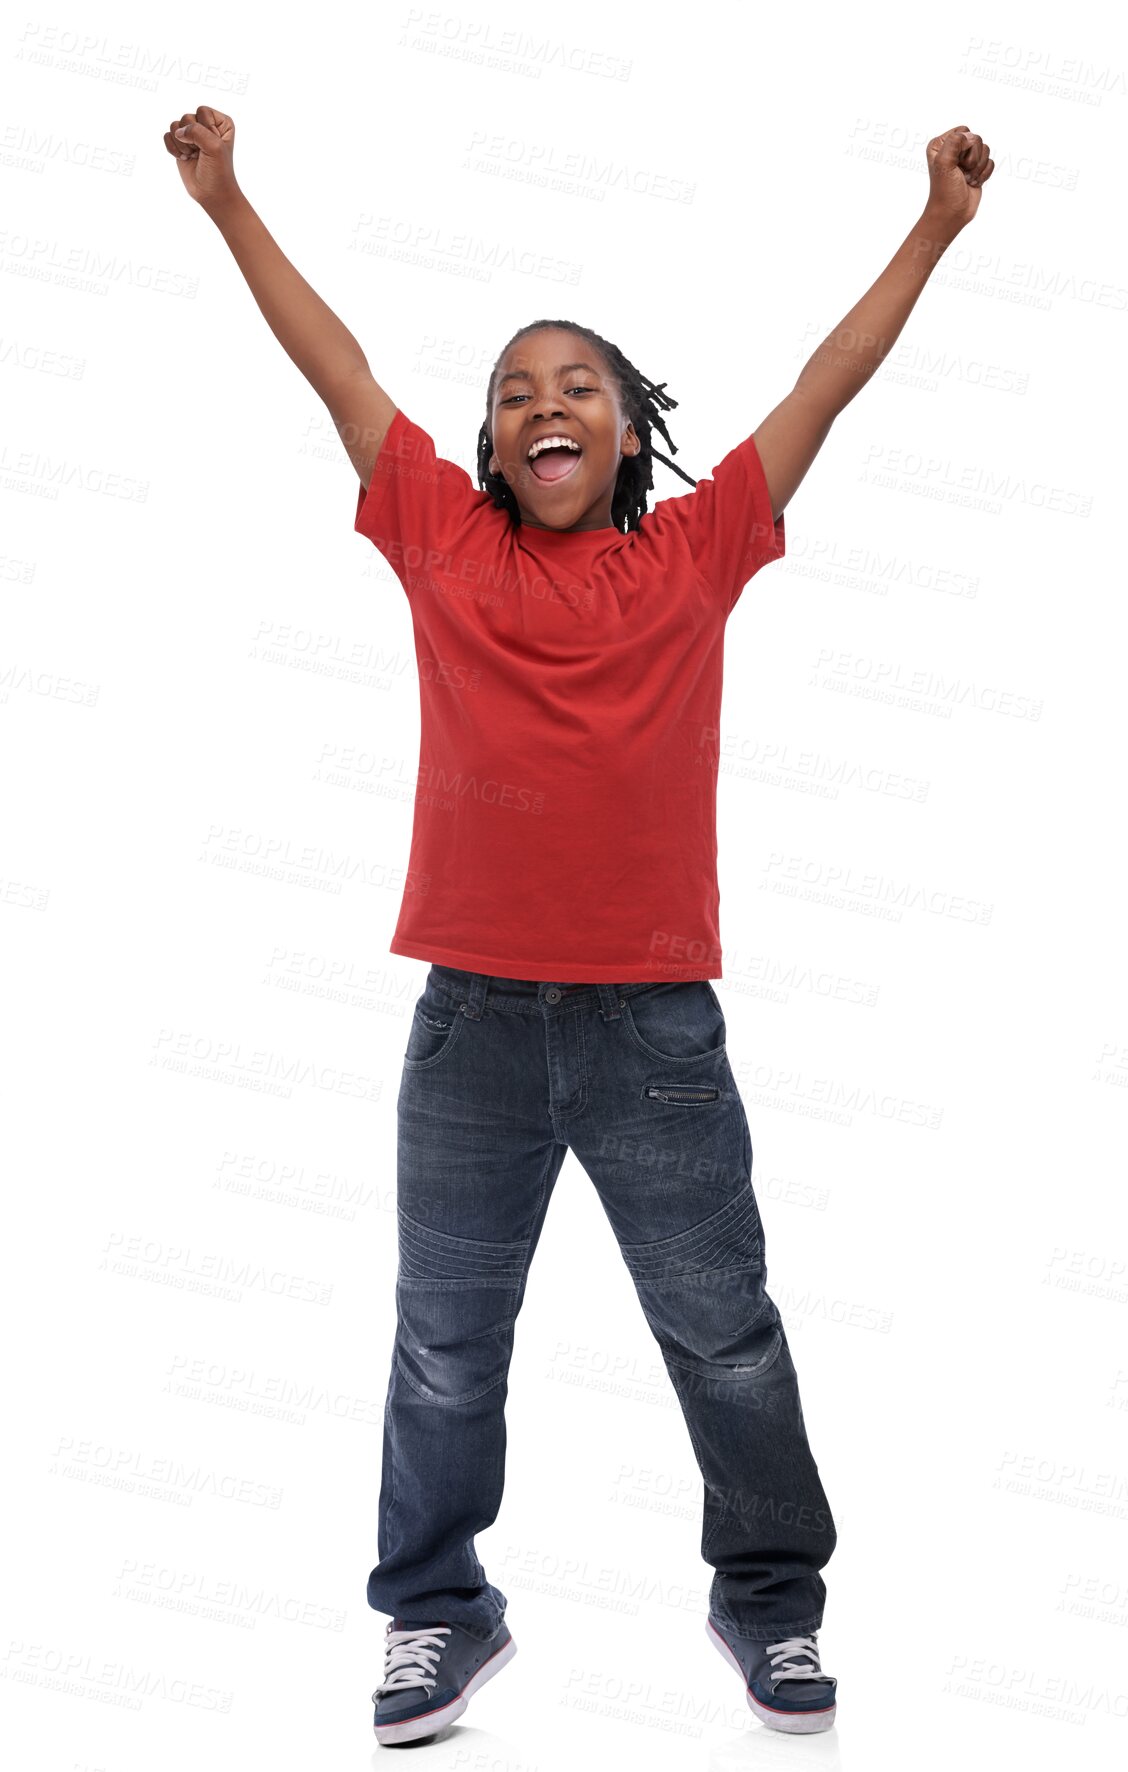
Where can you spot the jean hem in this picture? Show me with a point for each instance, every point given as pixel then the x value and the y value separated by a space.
pixel 775 1634
pixel 479 1635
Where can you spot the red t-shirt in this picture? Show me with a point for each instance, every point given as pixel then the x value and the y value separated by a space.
pixel 570 695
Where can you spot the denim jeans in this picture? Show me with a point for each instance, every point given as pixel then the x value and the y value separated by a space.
pixel 501 1077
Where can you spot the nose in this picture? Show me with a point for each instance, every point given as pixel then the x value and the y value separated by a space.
pixel 548 408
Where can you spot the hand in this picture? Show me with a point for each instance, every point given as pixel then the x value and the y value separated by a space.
pixel 203 146
pixel 959 165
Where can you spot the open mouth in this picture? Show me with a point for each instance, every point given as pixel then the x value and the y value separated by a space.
pixel 551 466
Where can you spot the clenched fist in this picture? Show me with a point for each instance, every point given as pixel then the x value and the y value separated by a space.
pixel 203 146
pixel 959 165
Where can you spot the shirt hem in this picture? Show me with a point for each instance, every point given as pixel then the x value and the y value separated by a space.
pixel 551 971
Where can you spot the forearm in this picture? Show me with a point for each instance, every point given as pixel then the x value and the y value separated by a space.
pixel 846 359
pixel 307 329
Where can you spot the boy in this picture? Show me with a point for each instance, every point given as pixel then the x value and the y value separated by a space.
pixel 613 671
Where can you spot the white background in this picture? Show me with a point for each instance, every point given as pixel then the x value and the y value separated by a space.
pixel 924 990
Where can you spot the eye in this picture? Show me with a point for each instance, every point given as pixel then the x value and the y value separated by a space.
pixel 509 398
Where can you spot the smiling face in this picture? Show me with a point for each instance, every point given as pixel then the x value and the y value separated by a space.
pixel 553 383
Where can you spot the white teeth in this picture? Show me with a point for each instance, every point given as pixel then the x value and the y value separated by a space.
pixel 552 443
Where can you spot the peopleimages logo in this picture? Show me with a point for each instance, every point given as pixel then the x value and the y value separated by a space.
pixel 436 780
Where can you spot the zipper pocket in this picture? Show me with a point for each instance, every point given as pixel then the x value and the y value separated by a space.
pixel 674 1092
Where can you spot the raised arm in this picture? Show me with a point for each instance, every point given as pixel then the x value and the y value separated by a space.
pixel 794 431
pixel 322 347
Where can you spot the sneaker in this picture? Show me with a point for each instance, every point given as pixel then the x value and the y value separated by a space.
pixel 431 1672
pixel 805 1703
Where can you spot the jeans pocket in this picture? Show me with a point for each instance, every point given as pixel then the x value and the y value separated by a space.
pixel 682 1094
pixel 435 1028
pixel 679 1023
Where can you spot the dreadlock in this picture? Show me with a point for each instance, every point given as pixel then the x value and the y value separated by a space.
pixel 643 403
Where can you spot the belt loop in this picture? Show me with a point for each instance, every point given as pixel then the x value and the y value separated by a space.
pixel 609 1001
pixel 475 995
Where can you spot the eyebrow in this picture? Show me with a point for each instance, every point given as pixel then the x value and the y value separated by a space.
pixel 564 369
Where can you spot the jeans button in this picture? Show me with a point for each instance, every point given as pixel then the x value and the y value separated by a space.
pixel 552 995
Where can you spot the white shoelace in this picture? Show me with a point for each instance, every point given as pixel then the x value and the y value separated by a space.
pixel 410 1658
pixel 785 1656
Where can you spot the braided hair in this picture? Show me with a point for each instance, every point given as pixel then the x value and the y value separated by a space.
pixel 643 403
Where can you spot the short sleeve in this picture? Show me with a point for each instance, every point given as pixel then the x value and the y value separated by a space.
pixel 415 502
pixel 728 524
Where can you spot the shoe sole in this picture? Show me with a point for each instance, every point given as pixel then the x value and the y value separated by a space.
pixel 794 1722
pixel 412 1728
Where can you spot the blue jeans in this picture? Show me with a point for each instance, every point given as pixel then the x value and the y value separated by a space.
pixel 501 1077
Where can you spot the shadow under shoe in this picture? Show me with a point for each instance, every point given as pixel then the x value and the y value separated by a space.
pixel 784 1683
pixel 431 1672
